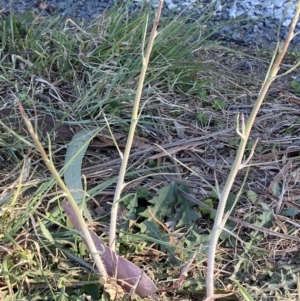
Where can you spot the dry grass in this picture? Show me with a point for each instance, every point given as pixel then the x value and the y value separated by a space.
pixel 190 112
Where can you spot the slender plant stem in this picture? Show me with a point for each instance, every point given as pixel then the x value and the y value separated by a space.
pixel 49 163
pixel 134 120
pixel 219 221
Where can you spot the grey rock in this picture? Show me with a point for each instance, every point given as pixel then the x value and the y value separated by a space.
pixel 278 12
pixel 287 22
pixel 84 15
pixel 233 10
pixel 236 36
pixel 226 29
pixel 247 65
pixel 268 24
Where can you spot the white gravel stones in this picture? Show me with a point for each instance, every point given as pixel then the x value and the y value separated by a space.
pixel 233 10
pixel 263 16
pixel 278 9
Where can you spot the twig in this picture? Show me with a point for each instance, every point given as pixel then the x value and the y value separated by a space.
pixel 271 75
pixel 280 199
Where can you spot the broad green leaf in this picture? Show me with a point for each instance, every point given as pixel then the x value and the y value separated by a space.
pixel 130 202
pixel 290 212
pixel 92 289
pixel 218 104
pixel 162 208
pixel 201 117
pixel 143 227
pixel 162 203
pixel 154 231
pixel 295 85
pixel 152 163
pixel 252 196
pixel 46 232
pixel 185 214
pixel 194 239
pixel 276 189
pixel 143 192
pixel 230 201
pixel 226 235
pixel 73 161
pixel 265 218
pixel 243 291
pixel 208 202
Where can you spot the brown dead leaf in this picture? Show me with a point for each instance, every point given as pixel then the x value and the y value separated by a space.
pixel 127 274
pixel 290 96
pixel 149 254
pixel 114 290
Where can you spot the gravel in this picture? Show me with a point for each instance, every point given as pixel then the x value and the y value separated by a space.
pixel 253 22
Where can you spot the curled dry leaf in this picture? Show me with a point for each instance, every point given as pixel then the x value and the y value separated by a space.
pixel 127 274
pixel 114 290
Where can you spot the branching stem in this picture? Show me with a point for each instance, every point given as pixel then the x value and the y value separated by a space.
pixel 244 134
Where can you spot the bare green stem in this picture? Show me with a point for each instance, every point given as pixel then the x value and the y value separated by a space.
pixel 85 232
pixel 134 120
pixel 244 134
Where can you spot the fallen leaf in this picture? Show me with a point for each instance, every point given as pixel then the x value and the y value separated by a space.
pixel 290 96
pixel 114 290
pixel 128 275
